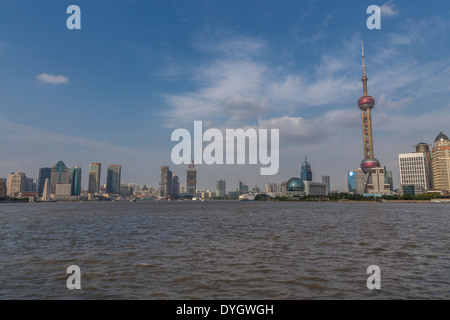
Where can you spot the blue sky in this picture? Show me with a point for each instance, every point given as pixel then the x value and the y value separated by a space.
pixel 114 91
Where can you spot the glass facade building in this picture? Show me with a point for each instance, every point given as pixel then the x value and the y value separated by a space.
pixel 59 175
pixel 306 174
pixel 44 173
pixel 113 179
pixel 75 181
pixel 94 178
pixel 351 182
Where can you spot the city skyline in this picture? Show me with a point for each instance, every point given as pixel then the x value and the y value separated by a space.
pixel 294 67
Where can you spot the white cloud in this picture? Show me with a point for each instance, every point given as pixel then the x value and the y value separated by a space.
pixel 45 78
pixel 388 9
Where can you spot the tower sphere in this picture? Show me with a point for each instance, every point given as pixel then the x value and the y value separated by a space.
pixel 368 163
pixel 366 102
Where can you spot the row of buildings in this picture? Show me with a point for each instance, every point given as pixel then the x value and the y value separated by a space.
pixel 426 170
pixel 60 183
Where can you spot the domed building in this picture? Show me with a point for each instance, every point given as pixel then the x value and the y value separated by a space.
pixel 441 163
pixel 295 187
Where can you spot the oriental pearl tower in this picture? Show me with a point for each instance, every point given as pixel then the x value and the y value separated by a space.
pixel 366 104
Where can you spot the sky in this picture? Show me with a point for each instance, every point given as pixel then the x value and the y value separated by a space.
pixel 115 90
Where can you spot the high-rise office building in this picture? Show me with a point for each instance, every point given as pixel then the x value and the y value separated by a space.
pixel 166 187
pixel 351 182
pixel 16 184
pixel 94 178
pixel 175 186
pixel 413 170
pixel 388 179
pixel 220 188
pixel 191 180
pixel 75 181
pixel 441 163
pixel 3 188
pixel 44 173
pixel 424 148
pixel 326 181
pixel 113 174
pixel 306 174
pixel 59 175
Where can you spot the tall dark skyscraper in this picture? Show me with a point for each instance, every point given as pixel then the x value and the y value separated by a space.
pixel 220 188
pixel 44 173
pixel 191 181
pixel 166 188
pixel 175 186
pixel 75 181
pixel 366 103
pixel 59 175
pixel 306 174
pixel 94 178
pixel 113 179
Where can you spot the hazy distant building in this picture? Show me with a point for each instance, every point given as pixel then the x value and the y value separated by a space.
pixel 441 163
pixel 30 185
pixel 59 175
pixel 413 170
pixel 166 188
pixel 220 188
pixel 113 175
pixel 75 180
pixel 44 173
pixel 94 178
pixel 306 174
pixel 16 184
pixel 242 188
pixel 191 180
pixel 326 181
pixel 3 188
pixel 175 186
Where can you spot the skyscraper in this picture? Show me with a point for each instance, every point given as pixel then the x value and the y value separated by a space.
pixel 175 186
pixel 191 180
pixel 94 178
pixel 306 174
pixel 166 187
pixel 113 174
pixel 424 148
pixel 44 173
pixel 75 181
pixel 220 188
pixel 441 163
pixel 413 170
pixel 326 180
pixel 59 174
pixel 16 184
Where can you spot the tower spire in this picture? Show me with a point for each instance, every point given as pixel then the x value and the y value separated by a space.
pixel 364 78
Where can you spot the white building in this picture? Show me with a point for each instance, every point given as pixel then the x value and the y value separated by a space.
pixel 16 184
pixel 413 170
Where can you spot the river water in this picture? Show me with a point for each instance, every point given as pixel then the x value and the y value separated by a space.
pixel 224 250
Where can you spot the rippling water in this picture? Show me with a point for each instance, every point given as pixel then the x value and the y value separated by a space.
pixel 224 250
